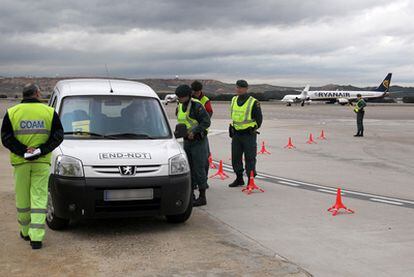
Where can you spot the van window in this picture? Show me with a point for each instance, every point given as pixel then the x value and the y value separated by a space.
pixel 123 117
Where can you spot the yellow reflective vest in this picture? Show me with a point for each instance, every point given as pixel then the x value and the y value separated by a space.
pixel 183 117
pixel 32 123
pixel 242 115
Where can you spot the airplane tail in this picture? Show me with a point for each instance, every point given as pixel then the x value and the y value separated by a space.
pixel 385 85
pixel 305 91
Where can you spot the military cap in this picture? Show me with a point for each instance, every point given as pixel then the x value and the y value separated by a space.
pixel 242 84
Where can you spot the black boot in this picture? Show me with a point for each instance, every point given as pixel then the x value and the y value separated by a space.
pixel 26 238
pixel 358 134
pixel 201 200
pixel 36 244
pixel 238 182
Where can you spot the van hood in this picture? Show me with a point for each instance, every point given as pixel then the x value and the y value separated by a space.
pixel 125 152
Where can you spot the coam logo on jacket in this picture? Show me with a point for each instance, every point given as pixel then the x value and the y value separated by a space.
pixel 32 124
pixel 129 155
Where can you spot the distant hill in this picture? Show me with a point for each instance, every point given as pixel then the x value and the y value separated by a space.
pixel 13 87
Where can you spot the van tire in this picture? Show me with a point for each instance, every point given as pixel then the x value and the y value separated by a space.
pixel 52 221
pixel 57 223
pixel 181 218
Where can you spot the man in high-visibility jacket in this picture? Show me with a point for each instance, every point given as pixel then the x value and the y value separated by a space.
pixel 198 94
pixel 360 112
pixel 195 117
pixel 247 117
pixel 31 130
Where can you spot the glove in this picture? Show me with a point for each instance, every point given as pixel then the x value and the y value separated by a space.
pixel 231 131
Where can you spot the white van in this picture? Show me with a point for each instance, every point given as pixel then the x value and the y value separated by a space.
pixel 119 157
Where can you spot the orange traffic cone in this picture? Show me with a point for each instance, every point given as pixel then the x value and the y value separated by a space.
pixel 210 162
pixel 263 150
pixel 322 136
pixel 290 144
pixel 220 172
pixel 251 186
pixel 338 204
pixel 310 140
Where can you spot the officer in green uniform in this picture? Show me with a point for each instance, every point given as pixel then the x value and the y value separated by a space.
pixel 192 113
pixel 31 130
pixel 247 117
pixel 198 94
pixel 360 112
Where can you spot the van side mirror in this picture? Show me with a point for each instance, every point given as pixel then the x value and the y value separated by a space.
pixel 180 131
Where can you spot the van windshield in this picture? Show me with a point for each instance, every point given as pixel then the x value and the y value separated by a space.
pixel 113 117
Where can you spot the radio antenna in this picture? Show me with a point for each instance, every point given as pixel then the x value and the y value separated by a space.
pixel 109 80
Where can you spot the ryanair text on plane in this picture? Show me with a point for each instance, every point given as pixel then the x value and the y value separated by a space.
pixel 332 94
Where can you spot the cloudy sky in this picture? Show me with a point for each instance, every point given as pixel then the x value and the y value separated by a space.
pixel 277 42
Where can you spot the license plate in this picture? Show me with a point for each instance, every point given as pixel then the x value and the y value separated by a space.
pixel 128 194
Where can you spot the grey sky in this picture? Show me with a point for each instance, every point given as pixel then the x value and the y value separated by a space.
pixel 277 42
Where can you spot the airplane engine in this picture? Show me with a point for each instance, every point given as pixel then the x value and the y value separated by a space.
pixel 343 101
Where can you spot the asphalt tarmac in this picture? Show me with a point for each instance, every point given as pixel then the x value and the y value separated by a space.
pixel 291 218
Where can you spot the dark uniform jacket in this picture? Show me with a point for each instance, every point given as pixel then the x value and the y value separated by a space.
pixel 361 105
pixel 199 113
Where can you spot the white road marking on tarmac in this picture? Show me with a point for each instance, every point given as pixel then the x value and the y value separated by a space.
pixel 328 191
pixel 289 184
pixel 385 201
pixel 350 193
pixel 378 196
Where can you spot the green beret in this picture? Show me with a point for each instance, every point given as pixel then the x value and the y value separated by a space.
pixel 183 90
pixel 242 84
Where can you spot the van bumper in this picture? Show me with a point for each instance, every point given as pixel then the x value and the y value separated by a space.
pixel 84 197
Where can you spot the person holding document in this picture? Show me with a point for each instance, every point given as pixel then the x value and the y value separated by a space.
pixel 31 130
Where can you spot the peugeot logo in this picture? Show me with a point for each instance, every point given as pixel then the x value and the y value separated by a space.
pixel 127 170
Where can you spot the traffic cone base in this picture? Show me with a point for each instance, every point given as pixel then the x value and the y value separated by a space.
pixel 251 186
pixel 322 136
pixel 339 205
pixel 290 144
pixel 210 162
pixel 263 150
pixel 310 140
pixel 220 172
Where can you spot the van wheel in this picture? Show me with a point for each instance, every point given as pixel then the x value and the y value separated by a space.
pixel 54 222
pixel 181 218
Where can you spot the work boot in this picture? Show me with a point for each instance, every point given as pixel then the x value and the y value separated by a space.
pixel 26 238
pixel 238 182
pixel 201 200
pixel 36 244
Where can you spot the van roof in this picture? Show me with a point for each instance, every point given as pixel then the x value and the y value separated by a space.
pixel 72 87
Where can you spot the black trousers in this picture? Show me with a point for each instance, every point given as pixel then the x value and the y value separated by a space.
pixel 197 154
pixel 360 122
pixel 244 144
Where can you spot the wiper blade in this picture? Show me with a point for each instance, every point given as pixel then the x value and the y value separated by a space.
pixel 84 134
pixel 130 135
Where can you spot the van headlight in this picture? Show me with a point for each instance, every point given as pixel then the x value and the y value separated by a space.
pixel 178 165
pixel 68 166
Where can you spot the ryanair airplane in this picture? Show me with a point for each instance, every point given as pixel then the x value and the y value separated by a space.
pixel 341 97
